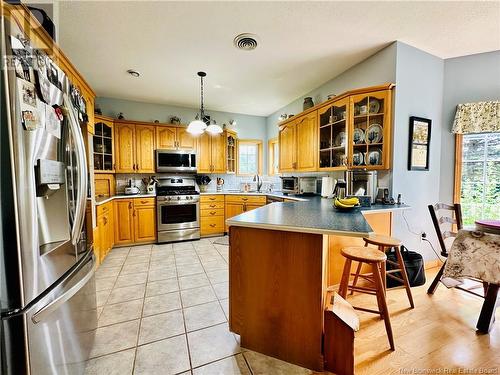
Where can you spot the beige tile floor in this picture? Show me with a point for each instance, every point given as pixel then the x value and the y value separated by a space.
pixel 163 309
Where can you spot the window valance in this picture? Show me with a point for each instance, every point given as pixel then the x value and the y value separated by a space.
pixel 482 117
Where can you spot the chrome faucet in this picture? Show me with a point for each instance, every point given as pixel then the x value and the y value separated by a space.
pixel 259 182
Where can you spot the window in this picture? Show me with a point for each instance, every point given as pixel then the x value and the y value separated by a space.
pixel 249 157
pixel 480 177
pixel 274 157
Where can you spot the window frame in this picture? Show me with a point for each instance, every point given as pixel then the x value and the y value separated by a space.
pixel 256 142
pixel 457 185
pixel 271 156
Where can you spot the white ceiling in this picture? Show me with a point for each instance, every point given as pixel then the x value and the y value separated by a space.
pixel 302 45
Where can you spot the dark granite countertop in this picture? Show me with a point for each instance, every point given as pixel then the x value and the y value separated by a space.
pixel 316 215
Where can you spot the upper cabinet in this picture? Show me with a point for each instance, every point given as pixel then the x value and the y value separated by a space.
pixel 298 144
pixel 370 135
pixel 104 161
pixel 211 150
pixel 125 148
pixel 134 148
pixel 231 151
pixel 174 138
pixel 333 129
pixel 352 131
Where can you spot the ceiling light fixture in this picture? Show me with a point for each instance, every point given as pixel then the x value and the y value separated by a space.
pixel 134 73
pixel 198 126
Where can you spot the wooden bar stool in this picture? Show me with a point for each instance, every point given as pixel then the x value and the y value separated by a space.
pixel 385 243
pixel 375 259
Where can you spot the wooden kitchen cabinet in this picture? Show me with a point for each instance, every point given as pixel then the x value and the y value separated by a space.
pixel 211 151
pixel 144 148
pixel 135 145
pixel 287 142
pixel 124 221
pixel 174 138
pixel 105 226
pixel 298 147
pixel 237 204
pixel 125 148
pixel 211 215
pixel 144 220
pixel 307 133
pixel 103 142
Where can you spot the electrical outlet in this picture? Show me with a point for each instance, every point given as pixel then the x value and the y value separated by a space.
pixel 423 236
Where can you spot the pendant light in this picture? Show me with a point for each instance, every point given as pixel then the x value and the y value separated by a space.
pixel 198 126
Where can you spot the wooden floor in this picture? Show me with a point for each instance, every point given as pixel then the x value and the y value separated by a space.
pixel 437 335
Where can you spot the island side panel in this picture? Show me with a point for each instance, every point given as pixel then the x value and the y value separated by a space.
pixel 277 281
pixel 381 223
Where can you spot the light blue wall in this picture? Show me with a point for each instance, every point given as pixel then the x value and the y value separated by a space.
pixel 378 69
pixel 419 92
pixel 467 79
pixel 248 127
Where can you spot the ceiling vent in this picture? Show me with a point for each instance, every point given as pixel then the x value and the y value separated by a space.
pixel 246 41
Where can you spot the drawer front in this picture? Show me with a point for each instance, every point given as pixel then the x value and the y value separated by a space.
pixel 246 199
pixel 212 225
pixel 211 198
pixel 212 205
pixel 103 208
pixel 142 202
pixel 212 212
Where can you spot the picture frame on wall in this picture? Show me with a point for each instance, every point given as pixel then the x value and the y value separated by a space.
pixel 419 143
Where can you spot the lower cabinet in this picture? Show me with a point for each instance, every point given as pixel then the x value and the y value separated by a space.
pixel 124 228
pixel 237 204
pixel 211 215
pixel 105 227
pixel 144 218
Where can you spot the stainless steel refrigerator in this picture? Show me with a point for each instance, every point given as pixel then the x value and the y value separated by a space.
pixel 47 286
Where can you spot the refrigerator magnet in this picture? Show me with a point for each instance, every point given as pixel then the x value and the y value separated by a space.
pixel 28 104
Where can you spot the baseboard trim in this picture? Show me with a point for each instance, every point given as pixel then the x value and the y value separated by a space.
pixel 432 264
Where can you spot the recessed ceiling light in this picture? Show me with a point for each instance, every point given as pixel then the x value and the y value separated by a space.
pixel 134 73
pixel 246 41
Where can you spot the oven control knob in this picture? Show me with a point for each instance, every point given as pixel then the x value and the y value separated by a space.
pixel 169 198
pixel 178 198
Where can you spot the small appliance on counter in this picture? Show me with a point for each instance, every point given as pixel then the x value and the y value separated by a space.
pixel 340 189
pixel 383 196
pixel 298 185
pixel 327 185
pixel 362 183
pixel 131 190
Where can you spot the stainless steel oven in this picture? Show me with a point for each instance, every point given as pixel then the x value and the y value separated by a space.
pixel 178 209
pixel 176 161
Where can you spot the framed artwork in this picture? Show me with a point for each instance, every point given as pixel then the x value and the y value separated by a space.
pixel 419 143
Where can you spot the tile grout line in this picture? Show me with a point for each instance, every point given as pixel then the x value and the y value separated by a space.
pixel 140 318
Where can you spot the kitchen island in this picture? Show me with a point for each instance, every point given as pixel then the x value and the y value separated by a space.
pixel 282 258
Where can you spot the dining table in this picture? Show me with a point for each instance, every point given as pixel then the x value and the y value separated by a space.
pixel 475 253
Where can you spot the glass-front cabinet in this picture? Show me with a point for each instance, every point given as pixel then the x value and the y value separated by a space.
pixel 354 132
pixel 231 151
pixel 103 145
pixel 370 132
pixel 333 131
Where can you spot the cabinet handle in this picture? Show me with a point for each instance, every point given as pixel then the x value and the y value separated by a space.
pixel 129 205
pixel 245 199
pixel 212 212
pixel 244 207
pixel 144 202
pixel 213 205
pixel 135 212
pixel 212 225
pixel 212 198
pixel 105 220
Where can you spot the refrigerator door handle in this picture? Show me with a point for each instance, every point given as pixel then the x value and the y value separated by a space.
pixel 45 311
pixel 82 173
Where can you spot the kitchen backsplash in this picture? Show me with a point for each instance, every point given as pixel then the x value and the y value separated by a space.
pixel 233 182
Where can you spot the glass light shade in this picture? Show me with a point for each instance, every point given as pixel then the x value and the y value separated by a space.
pixel 214 128
pixel 196 127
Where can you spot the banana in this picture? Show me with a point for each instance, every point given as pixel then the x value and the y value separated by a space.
pixel 349 201
pixel 339 204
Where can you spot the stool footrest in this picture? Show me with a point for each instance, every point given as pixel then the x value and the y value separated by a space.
pixel 362 289
pixel 396 264
pixel 396 278
pixel 367 310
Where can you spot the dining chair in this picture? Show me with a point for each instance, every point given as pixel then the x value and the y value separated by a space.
pixel 447 220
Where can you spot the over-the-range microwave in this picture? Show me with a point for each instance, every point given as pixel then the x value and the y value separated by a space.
pixel 176 161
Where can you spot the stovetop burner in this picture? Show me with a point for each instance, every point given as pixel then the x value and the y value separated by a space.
pixel 177 192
